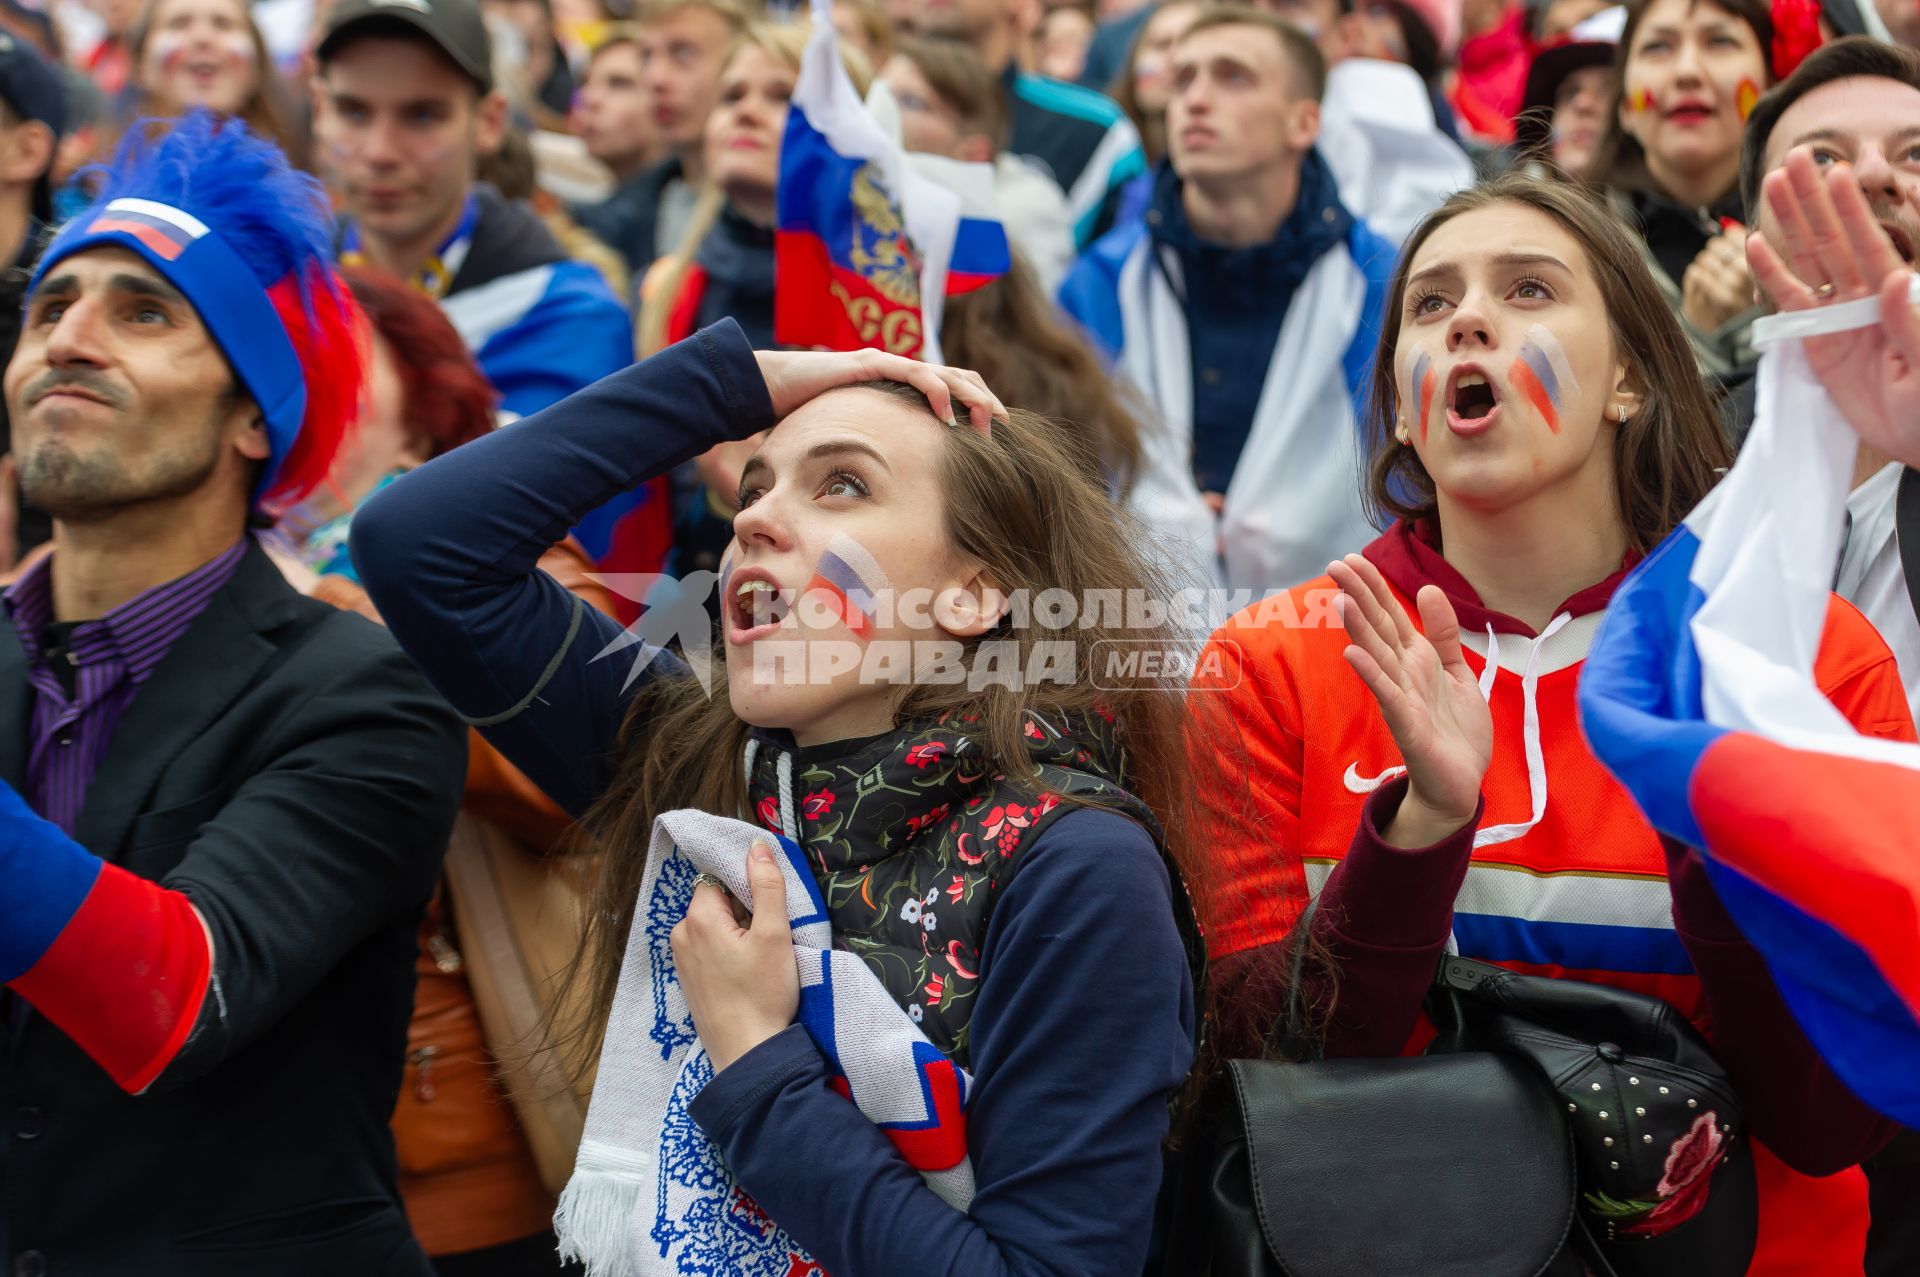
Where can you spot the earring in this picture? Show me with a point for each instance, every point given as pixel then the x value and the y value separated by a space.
pixel 1400 434
pixel 1620 414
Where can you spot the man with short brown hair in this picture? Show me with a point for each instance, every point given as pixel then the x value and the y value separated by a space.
pixel 683 45
pixel 1246 307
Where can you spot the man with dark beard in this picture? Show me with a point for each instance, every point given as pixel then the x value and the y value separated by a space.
pixel 1855 105
pixel 222 804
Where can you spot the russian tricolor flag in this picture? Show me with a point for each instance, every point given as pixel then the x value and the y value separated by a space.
pixel 868 244
pixel 1699 697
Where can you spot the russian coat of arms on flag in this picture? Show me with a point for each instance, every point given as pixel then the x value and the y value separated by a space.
pixel 867 246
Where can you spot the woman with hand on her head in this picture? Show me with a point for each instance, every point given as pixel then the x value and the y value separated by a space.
pixel 995 848
pixel 1410 751
pixel 1689 71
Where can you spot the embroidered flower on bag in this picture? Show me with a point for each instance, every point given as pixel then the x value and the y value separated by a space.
pixel 929 921
pixel 910 911
pixel 1686 1182
pixel 914 1011
pixel 769 811
pixel 956 889
pixel 955 950
pixel 817 804
pixel 936 985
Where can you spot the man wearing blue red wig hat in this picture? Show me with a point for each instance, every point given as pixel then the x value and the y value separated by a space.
pixel 224 804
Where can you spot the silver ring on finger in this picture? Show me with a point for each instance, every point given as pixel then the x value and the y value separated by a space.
pixel 1825 290
pixel 708 880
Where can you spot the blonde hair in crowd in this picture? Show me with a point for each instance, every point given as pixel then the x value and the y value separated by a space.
pixel 663 283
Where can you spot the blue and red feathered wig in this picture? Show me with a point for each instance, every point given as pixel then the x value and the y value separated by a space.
pixel 247 239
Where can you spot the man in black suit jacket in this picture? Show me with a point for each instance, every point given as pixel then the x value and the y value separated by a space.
pixel 225 804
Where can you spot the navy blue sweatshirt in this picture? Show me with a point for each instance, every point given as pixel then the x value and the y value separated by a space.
pixel 1084 1020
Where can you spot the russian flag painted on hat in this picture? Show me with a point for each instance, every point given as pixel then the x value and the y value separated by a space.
pixel 1699 697
pixel 867 244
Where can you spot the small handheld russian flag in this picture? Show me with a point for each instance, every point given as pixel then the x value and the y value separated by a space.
pixel 868 245
pixel 1699 697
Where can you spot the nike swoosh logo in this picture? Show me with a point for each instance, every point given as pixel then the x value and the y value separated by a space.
pixel 1358 784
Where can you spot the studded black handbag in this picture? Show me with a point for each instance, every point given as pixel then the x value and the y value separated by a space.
pixel 1665 1168
pixel 1554 1128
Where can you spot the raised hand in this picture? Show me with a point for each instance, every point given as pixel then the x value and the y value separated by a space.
pixel 795 376
pixel 1717 285
pixel 1832 249
pixel 1428 696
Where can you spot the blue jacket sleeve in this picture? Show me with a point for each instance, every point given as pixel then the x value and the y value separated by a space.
pixel 1083 1029
pixel 449 554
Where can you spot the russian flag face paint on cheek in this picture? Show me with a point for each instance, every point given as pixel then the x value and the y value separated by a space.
pixel 1425 382
pixel 1543 375
pixel 852 581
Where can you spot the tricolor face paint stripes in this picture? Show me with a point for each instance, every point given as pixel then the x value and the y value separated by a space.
pixel 1543 375
pixel 849 576
pixel 1426 382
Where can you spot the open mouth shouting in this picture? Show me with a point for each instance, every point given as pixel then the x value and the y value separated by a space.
pixel 1473 402
pixel 756 608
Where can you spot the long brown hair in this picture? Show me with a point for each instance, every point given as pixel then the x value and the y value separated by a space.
pixel 1022 503
pixel 266 110
pixel 1665 457
pixel 1618 161
pixel 1009 332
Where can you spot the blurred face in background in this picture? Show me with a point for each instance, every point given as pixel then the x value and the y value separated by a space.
pixel 1692 73
pixel 118 15
pixel 1153 62
pixel 743 135
pixel 1903 20
pixel 612 113
pixel 530 20
pixel 200 53
pixel 928 123
pixel 1580 116
pixel 680 60
pixel 1064 35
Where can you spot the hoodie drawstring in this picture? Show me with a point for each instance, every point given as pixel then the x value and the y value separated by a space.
pixel 1529 731
pixel 789 822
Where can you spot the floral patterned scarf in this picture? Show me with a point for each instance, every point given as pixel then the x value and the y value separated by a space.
pixel 912 837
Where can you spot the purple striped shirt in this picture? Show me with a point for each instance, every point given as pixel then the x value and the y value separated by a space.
pixel 112 656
